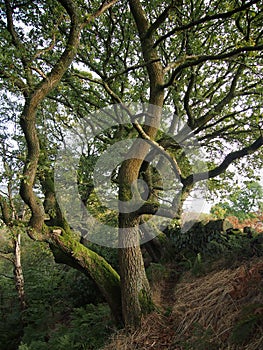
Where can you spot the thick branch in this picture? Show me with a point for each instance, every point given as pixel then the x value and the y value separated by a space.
pixel 27 120
pixel 154 69
pixel 159 20
pixel 187 99
pixel 6 212
pixel 66 58
pixel 93 265
pixel 229 159
pixel 10 24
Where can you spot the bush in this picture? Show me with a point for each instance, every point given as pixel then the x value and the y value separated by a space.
pixel 198 245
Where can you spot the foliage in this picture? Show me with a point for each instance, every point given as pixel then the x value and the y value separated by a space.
pixel 59 310
pixel 243 202
pixel 156 272
pixel 198 240
pixel 197 247
pixel 10 318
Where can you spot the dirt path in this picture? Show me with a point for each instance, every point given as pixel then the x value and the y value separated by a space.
pixel 169 286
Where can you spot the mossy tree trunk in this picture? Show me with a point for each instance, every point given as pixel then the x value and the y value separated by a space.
pixel 136 294
pixel 68 250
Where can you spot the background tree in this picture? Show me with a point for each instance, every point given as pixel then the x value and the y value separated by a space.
pixel 243 203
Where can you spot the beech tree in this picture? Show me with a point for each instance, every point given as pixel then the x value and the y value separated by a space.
pixel 61 60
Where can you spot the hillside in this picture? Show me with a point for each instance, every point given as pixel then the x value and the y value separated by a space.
pixel 222 309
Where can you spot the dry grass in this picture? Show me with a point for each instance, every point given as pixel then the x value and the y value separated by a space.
pixel 215 301
pixel 156 332
pixel 205 313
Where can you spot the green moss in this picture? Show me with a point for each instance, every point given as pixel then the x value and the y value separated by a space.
pixel 95 265
pixel 75 254
pixel 146 302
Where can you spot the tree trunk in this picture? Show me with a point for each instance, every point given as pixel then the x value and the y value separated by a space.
pixel 18 271
pixel 136 293
pixel 68 250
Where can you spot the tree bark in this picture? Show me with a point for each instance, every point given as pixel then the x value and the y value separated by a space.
pixel 28 117
pixel 104 276
pixel 18 271
pixel 136 295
